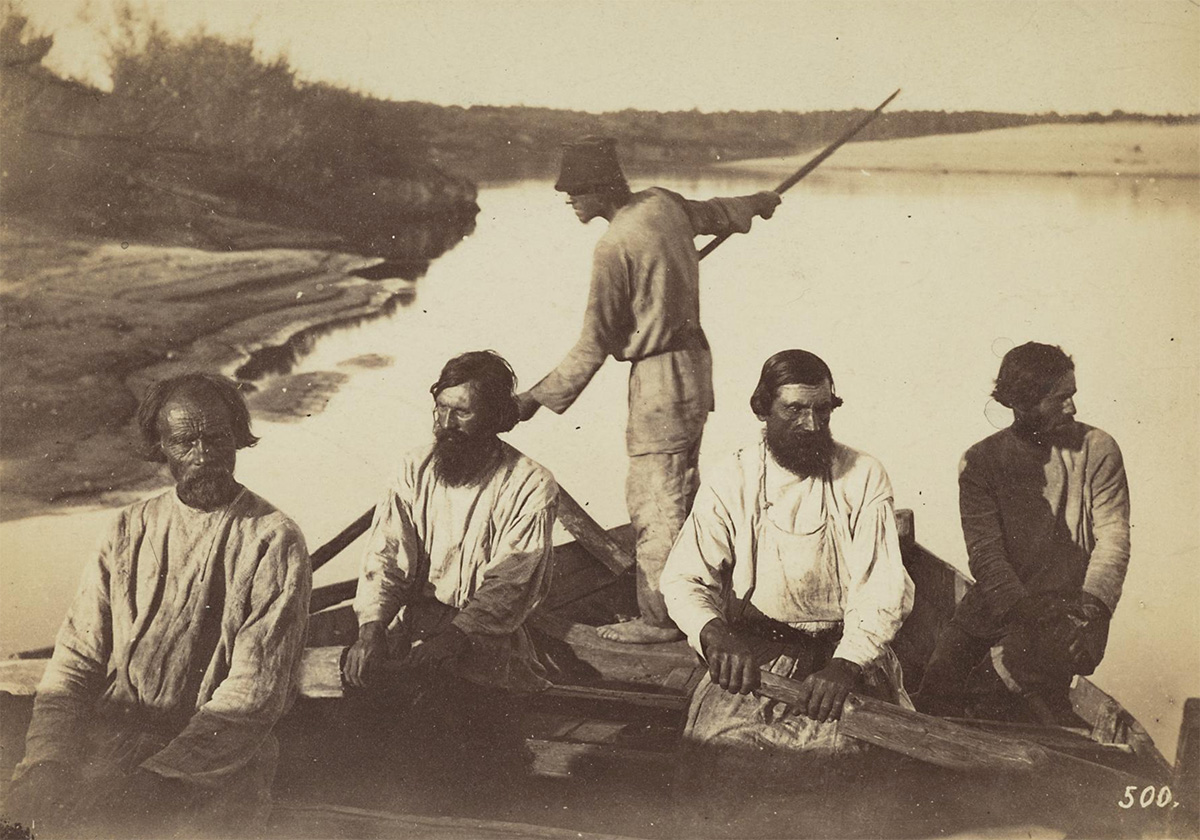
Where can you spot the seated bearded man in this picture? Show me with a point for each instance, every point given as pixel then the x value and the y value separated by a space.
pixel 181 649
pixel 457 560
pixel 790 561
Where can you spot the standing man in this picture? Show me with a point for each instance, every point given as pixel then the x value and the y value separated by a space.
pixel 644 307
pixel 459 550
pixel 790 561
pixel 181 649
pixel 1045 516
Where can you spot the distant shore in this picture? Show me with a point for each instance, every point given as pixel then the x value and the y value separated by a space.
pixel 88 323
pixel 1123 149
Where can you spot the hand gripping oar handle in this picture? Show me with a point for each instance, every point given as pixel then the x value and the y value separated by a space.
pixel 918 736
pixel 803 171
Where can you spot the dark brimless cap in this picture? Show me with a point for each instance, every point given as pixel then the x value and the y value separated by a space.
pixel 589 165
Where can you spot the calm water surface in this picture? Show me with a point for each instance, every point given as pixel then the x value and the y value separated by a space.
pixel 911 286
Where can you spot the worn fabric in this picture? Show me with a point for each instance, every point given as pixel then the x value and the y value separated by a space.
pixel 643 303
pixel 659 490
pixel 748 733
pixel 813 553
pixel 481 550
pixel 181 650
pixel 1039 519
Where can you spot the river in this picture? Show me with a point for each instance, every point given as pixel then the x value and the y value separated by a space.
pixel 911 286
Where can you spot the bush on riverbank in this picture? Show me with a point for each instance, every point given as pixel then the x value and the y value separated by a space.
pixel 202 141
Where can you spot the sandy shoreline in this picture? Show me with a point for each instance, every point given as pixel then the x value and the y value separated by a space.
pixel 1127 149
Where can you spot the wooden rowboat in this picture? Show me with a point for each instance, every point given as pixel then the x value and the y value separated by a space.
pixel 603 741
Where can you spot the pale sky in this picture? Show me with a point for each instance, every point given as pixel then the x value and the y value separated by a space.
pixel 1000 55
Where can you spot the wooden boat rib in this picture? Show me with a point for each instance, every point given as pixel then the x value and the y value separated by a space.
pixel 615 715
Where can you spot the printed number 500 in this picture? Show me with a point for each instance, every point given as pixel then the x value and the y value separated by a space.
pixel 1150 795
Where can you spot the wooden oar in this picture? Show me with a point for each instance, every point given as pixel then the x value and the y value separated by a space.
pixel 586 531
pixel 803 171
pixel 346 536
pixel 589 534
pixel 941 742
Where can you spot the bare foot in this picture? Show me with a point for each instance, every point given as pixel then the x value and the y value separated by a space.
pixel 637 632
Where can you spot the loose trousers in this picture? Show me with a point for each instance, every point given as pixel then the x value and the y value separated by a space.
pixel 659 491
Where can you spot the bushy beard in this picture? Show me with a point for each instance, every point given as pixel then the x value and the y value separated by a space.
pixel 802 452
pixel 206 488
pixel 460 459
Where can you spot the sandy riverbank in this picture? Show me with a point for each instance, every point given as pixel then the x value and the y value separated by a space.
pixel 1127 149
pixel 87 324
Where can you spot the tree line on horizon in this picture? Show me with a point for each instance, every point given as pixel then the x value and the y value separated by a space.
pixel 491 142
pixel 209 115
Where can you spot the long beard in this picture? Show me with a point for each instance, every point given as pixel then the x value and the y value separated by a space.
pixel 460 459
pixel 206 488
pixel 804 453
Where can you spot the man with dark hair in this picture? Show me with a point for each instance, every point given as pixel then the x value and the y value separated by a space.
pixel 181 649
pixel 790 561
pixel 1045 516
pixel 644 307
pixel 459 553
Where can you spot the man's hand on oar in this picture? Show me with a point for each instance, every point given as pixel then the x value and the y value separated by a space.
pixel 823 694
pixel 730 658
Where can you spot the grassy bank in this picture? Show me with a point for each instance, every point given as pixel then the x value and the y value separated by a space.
pixel 1123 149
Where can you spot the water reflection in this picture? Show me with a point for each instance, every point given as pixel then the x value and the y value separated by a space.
pixel 911 286
pixel 407 251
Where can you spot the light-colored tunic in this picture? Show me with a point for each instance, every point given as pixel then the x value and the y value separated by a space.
pixel 483 550
pixel 644 307
pixel 1042 519
pixel 182 647
pixel 839 561
pixel 814 553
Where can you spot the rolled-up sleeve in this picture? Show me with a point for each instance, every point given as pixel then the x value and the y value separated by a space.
pixel 693 580
pixel 879 592
pixel 1109 559
pixel 607 323
pixel 226 732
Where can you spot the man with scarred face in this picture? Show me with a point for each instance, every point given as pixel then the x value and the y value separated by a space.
pixel 182 647
pixel 790 561
pixel 457 559
pixel 1045 516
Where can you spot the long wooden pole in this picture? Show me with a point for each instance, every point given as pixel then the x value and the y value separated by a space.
pixel 803 171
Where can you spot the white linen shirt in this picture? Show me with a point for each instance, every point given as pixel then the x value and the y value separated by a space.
pixel 488 550
pixel 713 566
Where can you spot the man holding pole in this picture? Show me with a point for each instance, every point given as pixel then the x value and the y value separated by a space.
pixel 644 307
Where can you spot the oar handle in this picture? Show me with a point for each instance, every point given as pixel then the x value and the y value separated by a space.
pixel 915 735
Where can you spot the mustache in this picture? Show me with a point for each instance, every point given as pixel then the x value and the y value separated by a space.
pixel 460 458
pixel 206 486
pixel 801 451
pixel 455 437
